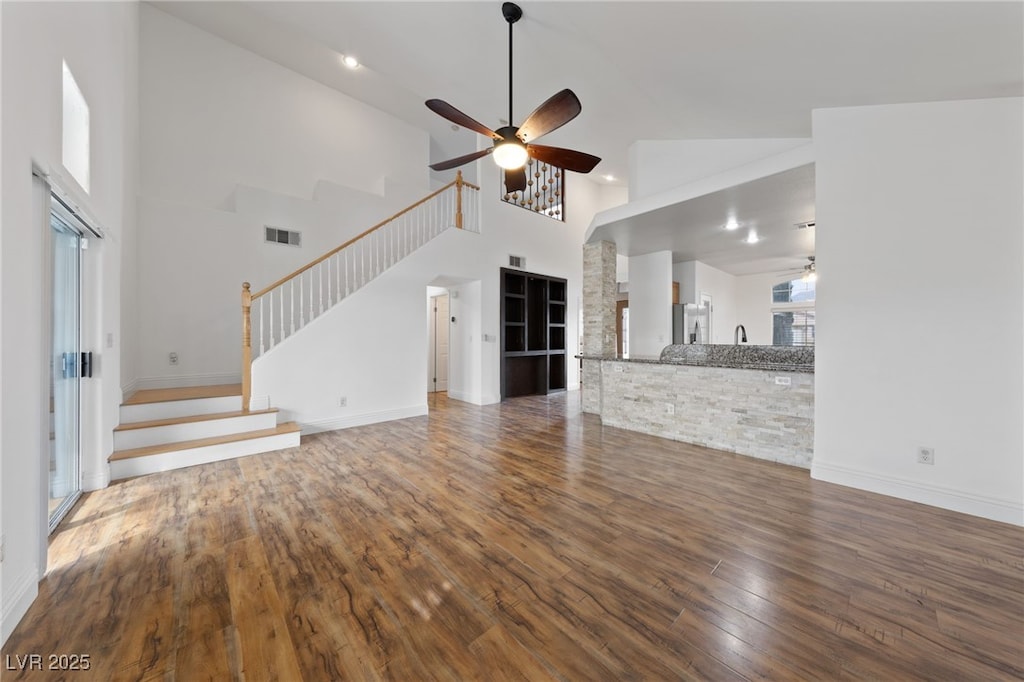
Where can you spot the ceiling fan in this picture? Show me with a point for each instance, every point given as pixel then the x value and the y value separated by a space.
pixel 514 145
pixel 809 272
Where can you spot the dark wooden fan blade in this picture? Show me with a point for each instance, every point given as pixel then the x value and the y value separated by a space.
pixel 442 108
pixel 558 110
pixel 515 179
pixel 563 158
pixel 459 160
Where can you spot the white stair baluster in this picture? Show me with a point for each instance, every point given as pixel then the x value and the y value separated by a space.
pixel 291 305
pixel 302 303
pixel 280 298
pixel 262 347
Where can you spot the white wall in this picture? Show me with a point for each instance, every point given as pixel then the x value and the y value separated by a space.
pixel 659 165
pixel 650 303
pixel 380 366
pixel 920 216
pixel 231 142
pixel 696 278
pixel 721 286
pixel 99 42
pixel 754 306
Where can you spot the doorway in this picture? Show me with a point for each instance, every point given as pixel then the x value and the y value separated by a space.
pixel 437 362
pixel 65 485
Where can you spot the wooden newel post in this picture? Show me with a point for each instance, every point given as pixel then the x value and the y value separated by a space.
pixel 246 346
pixel 458 199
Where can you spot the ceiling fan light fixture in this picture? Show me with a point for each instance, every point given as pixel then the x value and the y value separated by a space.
pixel 510 154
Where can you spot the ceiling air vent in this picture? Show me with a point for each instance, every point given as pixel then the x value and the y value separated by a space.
pixel 516 262
pixel 278 235
pixel 805 225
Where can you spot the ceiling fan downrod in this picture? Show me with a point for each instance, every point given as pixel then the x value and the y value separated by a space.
pixel 512 13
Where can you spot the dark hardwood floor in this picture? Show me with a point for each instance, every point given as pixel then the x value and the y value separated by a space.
pixel 519 541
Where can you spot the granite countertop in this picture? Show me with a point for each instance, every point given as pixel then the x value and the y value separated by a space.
pixel 744 356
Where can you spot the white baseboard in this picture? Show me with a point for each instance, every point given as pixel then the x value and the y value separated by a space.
pixel 259 402
pixel 464 396
pixel 129 388
pixel 96 480
pixel 22 593
pixel 335 423
pixel 186 380
pixel 1006 511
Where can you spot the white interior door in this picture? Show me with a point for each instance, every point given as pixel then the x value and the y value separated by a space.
pixel 439 343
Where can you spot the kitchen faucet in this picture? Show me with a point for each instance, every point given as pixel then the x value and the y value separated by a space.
pixel 736 335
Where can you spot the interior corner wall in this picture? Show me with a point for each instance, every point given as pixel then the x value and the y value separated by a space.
pixel 230 143
pixel 920 319
pixel 754 306
pixel 650 304
pixel 99 43
pixel 721 286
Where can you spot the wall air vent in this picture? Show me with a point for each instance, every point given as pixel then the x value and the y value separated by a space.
pixel 518 262
pixel 805 225
pixel 278 235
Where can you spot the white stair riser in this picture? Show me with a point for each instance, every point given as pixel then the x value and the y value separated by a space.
pixel 174 433
pixel 179 459
pixel 179 408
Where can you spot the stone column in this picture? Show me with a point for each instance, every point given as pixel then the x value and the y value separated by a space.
pixel 599 289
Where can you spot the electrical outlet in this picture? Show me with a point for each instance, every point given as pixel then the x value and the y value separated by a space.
pixel 343 401
pixel 670 408
pixel 925 455
pixel 172 358
pixel 617 368
pixel 783 381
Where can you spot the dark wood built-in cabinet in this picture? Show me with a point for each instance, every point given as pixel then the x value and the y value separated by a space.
pixel 532 333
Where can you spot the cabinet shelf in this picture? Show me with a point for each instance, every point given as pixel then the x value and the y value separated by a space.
pixel 533 333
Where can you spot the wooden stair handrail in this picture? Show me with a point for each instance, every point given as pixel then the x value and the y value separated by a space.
pixel 248 297
pixel 458 182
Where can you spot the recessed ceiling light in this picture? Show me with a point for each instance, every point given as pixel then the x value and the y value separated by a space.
pixel 731 224
pixel 752 238
pixel 610 178
pixel 350 61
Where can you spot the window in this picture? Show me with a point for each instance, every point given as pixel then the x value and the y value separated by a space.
pixel 793 313
pixel 75 130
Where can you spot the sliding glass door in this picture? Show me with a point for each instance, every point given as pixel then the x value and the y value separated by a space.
pixel 65 361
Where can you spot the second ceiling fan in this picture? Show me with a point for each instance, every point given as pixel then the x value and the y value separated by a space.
pixel 514 145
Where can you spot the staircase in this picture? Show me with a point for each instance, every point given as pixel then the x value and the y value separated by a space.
pixel 164 429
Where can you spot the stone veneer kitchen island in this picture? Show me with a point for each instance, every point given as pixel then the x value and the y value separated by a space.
pixel 751 400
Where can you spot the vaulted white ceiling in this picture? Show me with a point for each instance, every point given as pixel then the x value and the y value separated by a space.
pixel 643 70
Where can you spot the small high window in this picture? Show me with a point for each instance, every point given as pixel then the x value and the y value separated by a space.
pixel 75 131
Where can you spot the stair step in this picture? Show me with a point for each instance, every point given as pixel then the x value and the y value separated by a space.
pixel 188 419
pixel 163 395
pixel 146 408
pixel 287 427
pixel 134 435
pixel 168 456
